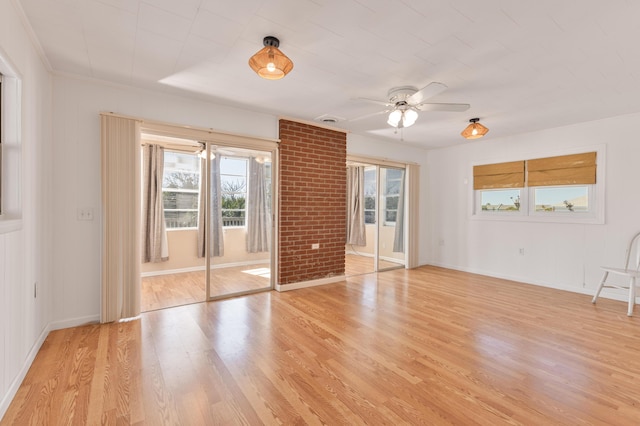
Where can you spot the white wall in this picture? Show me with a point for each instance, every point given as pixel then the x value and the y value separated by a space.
pixel 564 256
pixel 25 253
pixel 76 180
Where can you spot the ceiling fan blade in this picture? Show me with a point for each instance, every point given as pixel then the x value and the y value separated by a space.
pixel 443 107
pixel 426 92
pixel 376 101
pixel 362 117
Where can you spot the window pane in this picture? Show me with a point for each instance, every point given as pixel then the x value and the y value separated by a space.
pixel 177 161
pixel 180 200
pixel 233 184
pixel 369 216
pixel 233 178
pixel 564 199
pixel 233 166
pixel 370 195
pixel 500 200
pixel 390 216
pixel 181 219
pixel 392 203
pixel 180 180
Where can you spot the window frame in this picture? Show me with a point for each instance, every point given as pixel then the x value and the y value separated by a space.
pixel 385 195
pixel 596 194
pixel 246 191
pixel 10 147
pixel 189 191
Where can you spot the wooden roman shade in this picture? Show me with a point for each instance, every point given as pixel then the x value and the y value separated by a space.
pixel 499 175
pixel 563 170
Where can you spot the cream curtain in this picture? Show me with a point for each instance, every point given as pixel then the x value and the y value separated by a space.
pixel 213 193
pixel 155 247
pixel 120 187
pixel 398 239
pixel 356 233
pixel 412 205
pixel 258 211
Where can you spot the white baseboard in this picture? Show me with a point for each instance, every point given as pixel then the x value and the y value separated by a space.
pixel 74 322
pixel 202 268
pixel 311 283
pixel 17 381
pixel 606 293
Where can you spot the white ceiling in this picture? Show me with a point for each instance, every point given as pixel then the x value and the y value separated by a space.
pixel 522 65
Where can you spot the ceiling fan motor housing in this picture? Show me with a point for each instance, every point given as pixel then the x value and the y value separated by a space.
pixel 402 93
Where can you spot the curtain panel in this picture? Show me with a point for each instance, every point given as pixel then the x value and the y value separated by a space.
pixel 120 192
pixel 356 232
pixel 210 193
pixel 155 247
pixel 258 210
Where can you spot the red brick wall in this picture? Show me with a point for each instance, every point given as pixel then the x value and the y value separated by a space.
pixel 313 192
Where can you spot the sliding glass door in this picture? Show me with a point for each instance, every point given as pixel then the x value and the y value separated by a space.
pixel 390 241
pixel 238 231
pixel 375 230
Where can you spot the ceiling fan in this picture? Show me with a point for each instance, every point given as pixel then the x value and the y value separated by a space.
pixel 405 102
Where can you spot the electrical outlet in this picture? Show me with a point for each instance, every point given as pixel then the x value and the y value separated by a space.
pixel 85 213
pixel 315 246
pixel 35 289
pixel 521 251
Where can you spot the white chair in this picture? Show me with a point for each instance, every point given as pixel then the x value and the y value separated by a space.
pixel 631 271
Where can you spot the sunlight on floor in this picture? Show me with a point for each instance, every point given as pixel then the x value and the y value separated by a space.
pixel 261 272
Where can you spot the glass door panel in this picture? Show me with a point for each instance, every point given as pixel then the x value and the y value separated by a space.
pixel 360 258
pixel 239 227
pixel 390 247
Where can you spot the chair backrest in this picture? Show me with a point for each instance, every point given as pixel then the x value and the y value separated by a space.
pixel 633 253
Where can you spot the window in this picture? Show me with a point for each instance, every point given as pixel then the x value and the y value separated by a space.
pixel 561 199
pixel 233 181
pixel 10 148
pixel 500 200
pixel 392 183
pixel 180 188
pixel 563 188
pixel 370 195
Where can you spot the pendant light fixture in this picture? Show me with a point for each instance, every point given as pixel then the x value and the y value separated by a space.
pixel 269 62
pixel 474 130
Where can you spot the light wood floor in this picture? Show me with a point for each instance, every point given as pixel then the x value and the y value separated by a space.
pixel 426 346
pixel 166 291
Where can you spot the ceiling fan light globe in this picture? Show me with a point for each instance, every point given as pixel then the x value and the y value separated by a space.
pixel 409 117
pixel 394 118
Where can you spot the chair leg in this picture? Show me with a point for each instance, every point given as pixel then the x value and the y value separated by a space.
pixel 632 296
pixel 604 278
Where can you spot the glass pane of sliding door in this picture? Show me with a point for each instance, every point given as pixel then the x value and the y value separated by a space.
pixel 390 247
pixel 239 189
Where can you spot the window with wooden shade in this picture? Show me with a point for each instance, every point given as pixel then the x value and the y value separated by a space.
pixel 499 186
pixel 564 188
